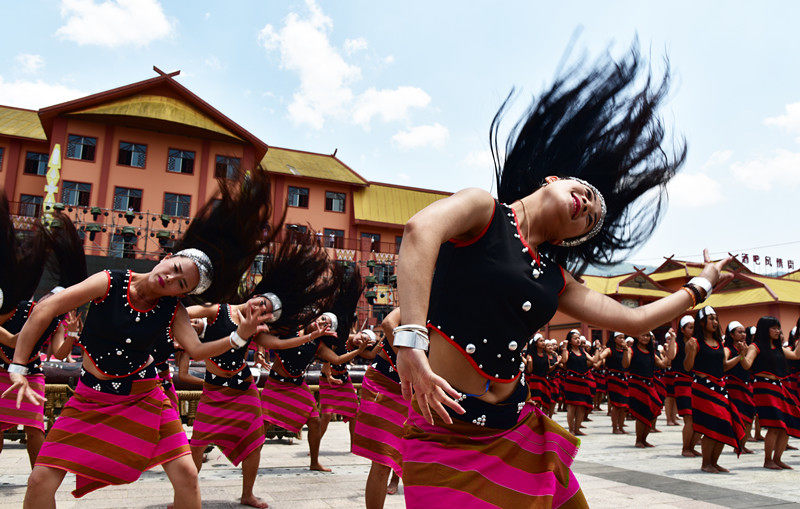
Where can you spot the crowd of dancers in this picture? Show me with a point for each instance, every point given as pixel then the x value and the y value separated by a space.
pixel 446 405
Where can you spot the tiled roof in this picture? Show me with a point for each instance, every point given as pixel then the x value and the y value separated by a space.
pixel 384 203
pixel 20 123
pixel 309 164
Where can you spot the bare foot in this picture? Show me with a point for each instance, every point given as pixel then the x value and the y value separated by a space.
pixel 648 444
pixel 745 450
pixel 696 453
pixel 618 432
pixel 711 469
pixel 758 438
pixel 318 467
pixel 586 419
pixel 655 430
pixel 687 453
pixel 771 465
pixel 783 465
pixel 253 501
pixel 579 433
pixel 721 469
pixel 391 489
pixel 640 445
pixel 790 447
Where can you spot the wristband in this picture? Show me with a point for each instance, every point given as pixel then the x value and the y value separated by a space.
pixel 370 334
pixel 17 368
pixel 237 340
pixel 73 334
pixel 703 283
pixel 411 336
pixel 202 334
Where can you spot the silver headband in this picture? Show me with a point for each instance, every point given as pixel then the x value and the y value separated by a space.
pixel 580 240
pixel 686 319
pixel 370 334
pixel 204 267
pixel 333 319
pixel 277 306
pixel 733 325
pixel 708 310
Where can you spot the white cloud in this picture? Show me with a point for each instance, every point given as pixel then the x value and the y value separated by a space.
pixel 327 80
pixel 114 23
pixel 389 105
pixel 208 15
pixel 36 94
pixel 28 63
pixel 213 63
pixel 789 121
pixel 389 59
pixel 422 136
pixel 718 157
pixel 479 159
pixel 781 168
pixel 353 45
pixel 694 190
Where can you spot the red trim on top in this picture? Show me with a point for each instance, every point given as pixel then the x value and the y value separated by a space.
pixel 462 243
pixel 219 308
pixel 172 320
pixel 108 287
pixel 388 357
pixel 471 360
pixel 564 277
pixel 89 356
pixel 128 296
pixel 227 370
pixel 522 240
pixel 713 347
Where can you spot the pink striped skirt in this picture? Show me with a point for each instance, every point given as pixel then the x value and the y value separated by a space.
pixel 287 405
pixel 467 465
pixel 169 388
pixel 378 434
pixel 231 419
pixel 111 439
pixel 28 414
pixel 338 399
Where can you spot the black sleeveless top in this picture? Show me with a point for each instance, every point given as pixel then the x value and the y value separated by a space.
pixel 295 360
pixel 233 359
pixel 643 364
pixel 710 361
pixel 680 356
pixel 118 338
pixel 14 324
pixel 738 372
pixel 387 368
pixel 541 364
pixel 489 295
pixel 772 361
pixel 577 363
pixel 614 361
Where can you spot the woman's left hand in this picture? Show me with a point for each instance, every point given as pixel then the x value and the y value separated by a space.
pixel 20 384
pixel 431 391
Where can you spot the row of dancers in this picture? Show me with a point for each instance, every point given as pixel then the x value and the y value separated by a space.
pixel 477 277
pixel 719 384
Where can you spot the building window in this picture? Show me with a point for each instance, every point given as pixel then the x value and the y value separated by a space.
pixel 333 238
pixel 76 193
pixel 36 163
pixel 226 167
pixel 298 197
pixel 132 154
pixel 180 161
pixel 334 201
pixel 127 199
pixel 398 239
pixel 177 204
pixel 122 246
pixel 30 205
pixel 382 272
pixel 375 241
pixel 2 151
pixel 81 147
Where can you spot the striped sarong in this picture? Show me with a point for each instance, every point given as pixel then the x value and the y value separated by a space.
pixel 169 388
pixel 617 383
pixel 661 388
pixel 669 383
pixel 776 406
pixel 683 393
pixel 338 399
pixel 231 419
pixel 111 439
pixel 470 466
pixel 379 425
pixel 540 389
pixel 28 414
pixel 741 395
pixel 644 402
pixel 577 390
pixel 713 415
pixel 287 405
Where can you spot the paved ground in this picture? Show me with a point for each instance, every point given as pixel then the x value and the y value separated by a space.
pixel 612 472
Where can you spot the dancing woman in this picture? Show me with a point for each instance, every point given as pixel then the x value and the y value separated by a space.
pixel 537 369
pixel 119 422
pixel 713 415
pixel 618 359
pixel 683 387
pixel 69 267
pixel 485 274
pixel 778 410
pixel 738 380
pixel 644 402
pixel 577 385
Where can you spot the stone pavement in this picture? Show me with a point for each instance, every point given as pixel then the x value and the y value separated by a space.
pixel 612 472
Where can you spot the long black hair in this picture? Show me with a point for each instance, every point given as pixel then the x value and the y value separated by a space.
pixel 68 261
pixel 22 260
pixel 761 337
pixel 232 229
pixel 300 273
pixel 345 302
pixel 794 337
pixel 598 125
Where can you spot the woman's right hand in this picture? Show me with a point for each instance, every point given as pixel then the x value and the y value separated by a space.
pixel 431 391
pixel 20 384
pixel 713 270
pixel 252 321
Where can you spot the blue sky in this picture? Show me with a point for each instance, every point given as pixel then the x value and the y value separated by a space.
pixel 406 90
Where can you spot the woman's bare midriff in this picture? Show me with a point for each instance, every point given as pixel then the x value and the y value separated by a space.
pixel 214 369
pixel 447 362
pixel 90 368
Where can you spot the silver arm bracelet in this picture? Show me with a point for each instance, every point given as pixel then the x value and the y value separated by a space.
pixel 237 340
pixel 703 283
pixel 17 368
pixel 411 336
pixel 202 334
